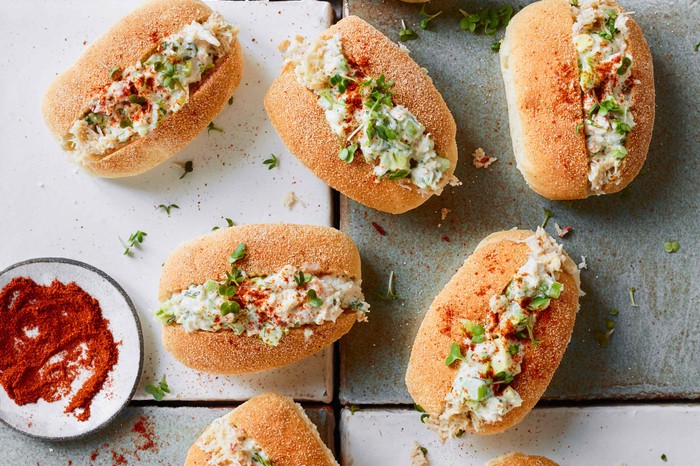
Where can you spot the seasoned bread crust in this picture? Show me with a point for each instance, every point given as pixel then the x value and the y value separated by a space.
pixel 540 70
pixel 302 125
pixel 270 247
pixel 521 459
pixel 466 296
pixel 281 428
pixel 131 39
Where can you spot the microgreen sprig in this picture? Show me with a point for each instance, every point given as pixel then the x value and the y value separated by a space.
pixel 187 166
pixel 271 162
pixel 427 17
pixel 406 33
pixel 211 127
pixel 488 19
pixel 167 208
pixel 158 389
pixel 229 224
pixel 547 215
pixel 633 303
pixel 390 288
pixel 300 278
pixel 134 240
pixel 672 246
pixel 424 415
pixel 455 354
pixel 314 300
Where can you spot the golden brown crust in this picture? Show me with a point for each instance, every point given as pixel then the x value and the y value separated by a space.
pixel 540 70
pixel 270 247
pixel 466 296
pixel 521 459
pixel 225 352
pixel 132 39
pixel 301 123
pixel 281 429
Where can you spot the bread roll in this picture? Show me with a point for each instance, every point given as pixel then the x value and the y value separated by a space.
pixel 565 146
pixel 521 459
pixel 259 334
pixel 86 107
pixel 499 266
pixel 300 120
pixel 272 426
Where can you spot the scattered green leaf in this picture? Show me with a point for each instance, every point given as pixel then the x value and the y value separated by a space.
pixel 632 301
pixel 496 46
pixel 455 354
pixel 624 65
pixel 347 154
pixel 672 246
pixel 314 300
pixel 614 312
pixel 158 389
pixel 547 215
pixel 238 254
pixel 406 34
pixel 354 409
pixel 134 240
pixel 167 208
pixel 188 167
pixel 272 162
pixel 489 20
pixel 663 457
pixel 390 288
pixel 301 278
pixel 427 17
pixel 211 127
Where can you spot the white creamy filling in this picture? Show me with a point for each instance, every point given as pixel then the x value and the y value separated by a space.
pixel 600 36
pixel 228 445
pixel 494 354
pixel 151 90
pixel 404 152
pixel 269 305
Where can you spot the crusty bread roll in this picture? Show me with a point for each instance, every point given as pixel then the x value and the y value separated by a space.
pixel 466 296
pixel 131 39
pixel 301 123
pixel 269 248
pixel 280 428
pixel 540 69
pixel 521 459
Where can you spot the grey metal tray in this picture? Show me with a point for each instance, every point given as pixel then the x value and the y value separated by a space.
pixel 653 352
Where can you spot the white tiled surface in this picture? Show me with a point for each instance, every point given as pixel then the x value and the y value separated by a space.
pixel 601 436
pixel 49 208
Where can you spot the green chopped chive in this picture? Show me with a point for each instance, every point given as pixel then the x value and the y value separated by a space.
pixel 406 34
pixel 188 167
pixel 314 300
pixel 632 301
pixel 671 246
pixel 238 253
pixel 272 162
pixel 455 354
pixel 167 208
pixel 547 215
pixel 624 65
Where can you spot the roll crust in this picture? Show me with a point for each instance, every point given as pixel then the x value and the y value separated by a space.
pixel 132 39
pixel 466 296
pixel 540 70
pixel 302 125
pixel 521 459
pixel 270 247
pixel 281 428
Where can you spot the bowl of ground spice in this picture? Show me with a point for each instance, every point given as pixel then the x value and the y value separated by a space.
pixel 71 348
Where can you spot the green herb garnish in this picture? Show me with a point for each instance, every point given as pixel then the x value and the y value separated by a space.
pixel 424 451
pixel 230 307
pixel 390 287
pixel 663 457
pixel 489 19
pixel 573 2
pixel 609 31
pixel 697 47
pixel 624 65
pixel 578 127
pixel 538 303
pixel 314 300
pixel 424 415
pixel 455 354
pixel 167 208
pixel 272 162
pixel 187 166
pixel 339 81
pixel 513 349
pixel 301 278
pixel 672 246
pixel 211 127
pixel 126 123
pixel 427 17
pixel 230 100
pixel 547 215
pixel 158 389
pixel 503 378
pixel 347 154
pixel 614 312
pixel 259 460
pixel 134 240
pixel 406 34
pixel 238 254
pixel 353 409
pixel 114 73
pixel 397 175
pixel 137 99
pixel 496 46
pixel 632 302
pixel 459 433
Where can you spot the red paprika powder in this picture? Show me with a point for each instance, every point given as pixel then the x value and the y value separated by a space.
pixel 49 335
